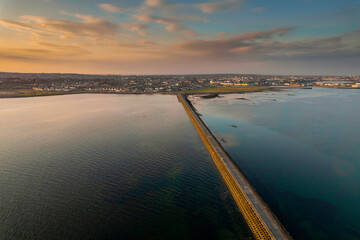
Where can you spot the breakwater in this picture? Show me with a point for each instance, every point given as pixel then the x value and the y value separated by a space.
pixel 261 221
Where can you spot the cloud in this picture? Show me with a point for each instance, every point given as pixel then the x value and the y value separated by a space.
pixel 88 26
pixel 43 52
pixel 172 24
pixel 225 5
pixel 158 7
pixel 137 44
pixel 225 46
pixel 221 35
pixel 259 9
pixel 63 50
pixel 111 8
pixel 53 53
pixel 169 14
pixel 335 47
pixel 136 27
pixel 18 25
pixel 267 45
pixel 156 3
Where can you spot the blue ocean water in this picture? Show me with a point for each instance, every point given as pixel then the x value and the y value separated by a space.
pixel 300 149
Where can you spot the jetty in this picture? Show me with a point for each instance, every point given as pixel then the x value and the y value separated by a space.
pixel 261 221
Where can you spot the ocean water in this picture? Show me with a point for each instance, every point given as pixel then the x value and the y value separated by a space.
pixel 108 167
pixel 300 149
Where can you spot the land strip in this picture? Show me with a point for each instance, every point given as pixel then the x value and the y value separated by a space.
pixel 19 93
pixel 220 90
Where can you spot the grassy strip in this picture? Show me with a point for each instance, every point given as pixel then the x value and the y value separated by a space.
pixel 225 89
pixel 29 93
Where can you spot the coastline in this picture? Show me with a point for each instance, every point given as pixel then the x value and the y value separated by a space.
pixel 40 94
pixel 13 93
pixel 337 87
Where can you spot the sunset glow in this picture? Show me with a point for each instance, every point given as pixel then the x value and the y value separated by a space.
pixel 179 37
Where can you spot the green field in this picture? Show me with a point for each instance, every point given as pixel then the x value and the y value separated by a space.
pixel 28 93
pixel 225 89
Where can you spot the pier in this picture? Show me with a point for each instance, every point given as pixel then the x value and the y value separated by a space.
pixel 261 221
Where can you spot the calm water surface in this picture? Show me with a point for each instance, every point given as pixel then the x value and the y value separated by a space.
pixel 301 151
pixel 108 167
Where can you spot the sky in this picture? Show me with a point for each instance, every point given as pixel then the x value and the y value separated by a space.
pixel 308 37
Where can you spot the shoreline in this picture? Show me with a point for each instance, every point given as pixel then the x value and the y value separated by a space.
pixel 29 93
pixel 39 94
pixel 336 87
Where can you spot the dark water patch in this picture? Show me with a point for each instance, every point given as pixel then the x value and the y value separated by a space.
pixel 109 167
pixel 212 95
pixel 353 232
pixel 316 217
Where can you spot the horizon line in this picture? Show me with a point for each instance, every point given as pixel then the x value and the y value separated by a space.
pixel 184 74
